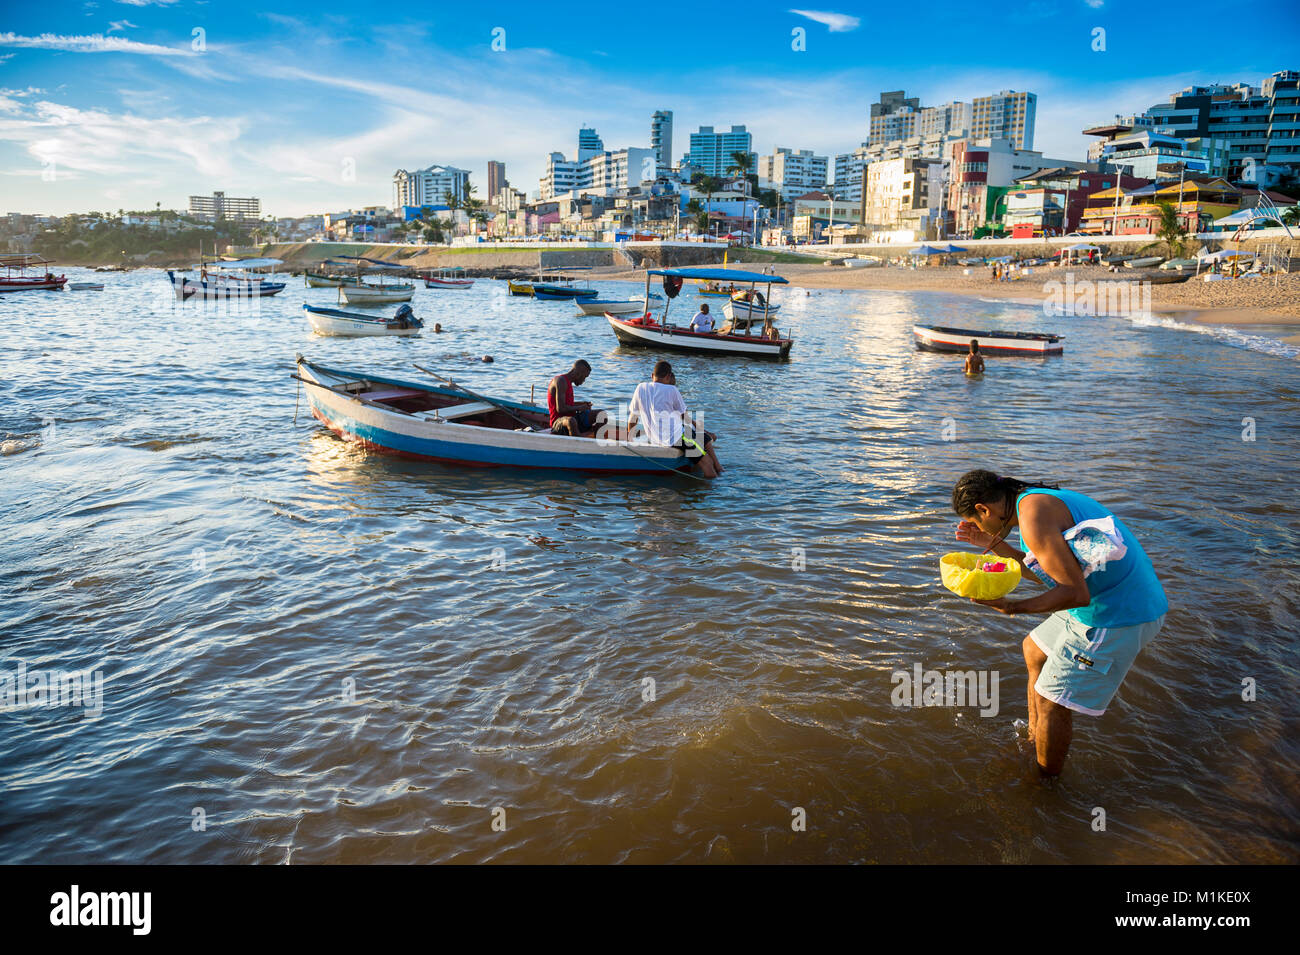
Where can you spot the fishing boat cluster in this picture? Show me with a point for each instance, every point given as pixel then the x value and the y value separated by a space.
pixel 448 422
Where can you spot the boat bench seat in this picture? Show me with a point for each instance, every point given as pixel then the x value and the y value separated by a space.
pixel 392 394
pixel 467 410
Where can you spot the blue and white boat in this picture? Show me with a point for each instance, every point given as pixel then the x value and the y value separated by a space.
pixel 226 280
pixel 450 425
pixel 333 321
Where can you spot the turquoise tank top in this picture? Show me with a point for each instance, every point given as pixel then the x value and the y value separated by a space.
pixel 1123 584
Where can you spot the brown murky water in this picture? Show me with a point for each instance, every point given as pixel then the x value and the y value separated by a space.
pixel 310 654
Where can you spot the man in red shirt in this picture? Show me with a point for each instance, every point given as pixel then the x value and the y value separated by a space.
pixel 574 418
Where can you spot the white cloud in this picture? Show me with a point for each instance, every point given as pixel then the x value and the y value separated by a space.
pixel 115 26
pixel 836 22
pixel 1095 4
pixel 91 43
pixel 96 141
pixel 147 3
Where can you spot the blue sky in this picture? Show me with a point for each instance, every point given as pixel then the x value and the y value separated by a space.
pixel 124 103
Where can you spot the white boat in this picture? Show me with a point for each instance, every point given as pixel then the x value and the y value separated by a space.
pixel 375 294
pixel 448 278
pixel 957 340
pixel 332 322
pixel 758 310
pixel 603 306
pixel 735 338
pixel 452 425
pixel 1146 262
pixel 85 286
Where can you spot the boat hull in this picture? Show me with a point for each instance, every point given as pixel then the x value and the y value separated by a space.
pixel 212 289
pixel 332 323
pixel 448 283
pixel 360 295
pixel 954 340
pixel 32 284
pixel 598 307
pixel 744 312
pixel 639 334
pixel 395 433
pixel 517 288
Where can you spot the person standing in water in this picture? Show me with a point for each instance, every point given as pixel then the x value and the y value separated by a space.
pixel 1105 601
pixel 974 360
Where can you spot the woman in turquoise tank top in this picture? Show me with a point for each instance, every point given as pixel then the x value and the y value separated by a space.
pixel 1105 601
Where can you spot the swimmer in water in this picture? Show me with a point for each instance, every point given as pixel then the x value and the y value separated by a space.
pixel 974 360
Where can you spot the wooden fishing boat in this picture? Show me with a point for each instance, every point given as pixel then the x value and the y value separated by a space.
pixel 455 426
pixel 86 287
pixel 939 339
pixel 448 278
pixel 738 308
pixel 327 280
pixel 742 336
pixel 333 322
pixel 561 293
pixel 366 294
pixel 216 281
pixel 520 288
pixel 600 306
pixel 1178 265
pixel 712 288
pixel 16 279
pixel 1145 262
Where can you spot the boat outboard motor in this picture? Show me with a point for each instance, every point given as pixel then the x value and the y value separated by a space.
pixel 406 318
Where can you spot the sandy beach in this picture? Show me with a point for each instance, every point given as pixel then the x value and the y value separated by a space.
pixel 1267 300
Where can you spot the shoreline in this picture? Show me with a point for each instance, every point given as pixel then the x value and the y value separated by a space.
pixel 1192 301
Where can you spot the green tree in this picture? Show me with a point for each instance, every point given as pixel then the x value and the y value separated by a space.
pixel 741 163
pixel 1171 230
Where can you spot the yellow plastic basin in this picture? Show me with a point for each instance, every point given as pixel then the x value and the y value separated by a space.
pixel 960 575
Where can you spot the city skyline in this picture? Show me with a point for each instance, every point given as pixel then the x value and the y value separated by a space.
pixel 149 101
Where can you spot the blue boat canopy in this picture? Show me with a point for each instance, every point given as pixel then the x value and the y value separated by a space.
pixel 721 275
pixel 245 264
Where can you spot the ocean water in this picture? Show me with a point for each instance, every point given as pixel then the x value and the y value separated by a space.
pixel 313 654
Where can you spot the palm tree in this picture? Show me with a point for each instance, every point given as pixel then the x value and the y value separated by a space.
pixel 741 162
pixel 1171 230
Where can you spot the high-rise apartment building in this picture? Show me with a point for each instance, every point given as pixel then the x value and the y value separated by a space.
pixel 1007 115
pixel 429 186
pixel 661 139
pixel 792 172
pixel 220 206
pixel 711 152
pixel 496 179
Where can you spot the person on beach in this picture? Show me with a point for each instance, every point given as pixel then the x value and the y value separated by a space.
pixel 1105 601
pixel 569 417
pixel 659 411
pixel 974 360
pixel 703 321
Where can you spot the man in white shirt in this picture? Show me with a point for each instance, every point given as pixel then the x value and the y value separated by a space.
pixel 658 407
pixel 703 321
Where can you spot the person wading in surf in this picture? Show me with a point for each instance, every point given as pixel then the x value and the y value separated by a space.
pixel 1105 601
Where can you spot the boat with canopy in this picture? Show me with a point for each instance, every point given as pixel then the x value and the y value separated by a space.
pixel 454 425
pixel 19 263
pixel 447 278
pixel 226 280
pixel 749 331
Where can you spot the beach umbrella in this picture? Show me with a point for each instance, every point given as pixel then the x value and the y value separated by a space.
pixel 926 250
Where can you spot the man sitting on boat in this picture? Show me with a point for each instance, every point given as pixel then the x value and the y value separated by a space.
pixel 703 321
pixel 573 418
pixel 660 412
